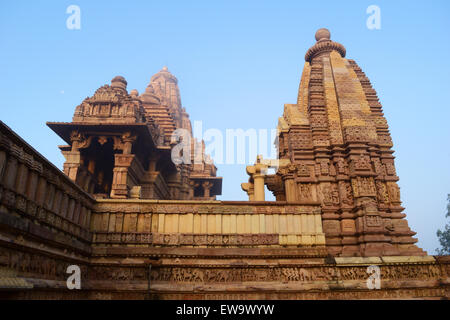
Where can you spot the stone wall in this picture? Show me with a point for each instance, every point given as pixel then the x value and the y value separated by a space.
pixel 44 217
pixel 145 249
pixel 207 223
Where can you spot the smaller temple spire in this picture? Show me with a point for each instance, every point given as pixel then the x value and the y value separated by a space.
pixel 165 74
pixel 119 82
pixel 149 96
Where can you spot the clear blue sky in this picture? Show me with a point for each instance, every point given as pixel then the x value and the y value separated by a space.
pixel 237 63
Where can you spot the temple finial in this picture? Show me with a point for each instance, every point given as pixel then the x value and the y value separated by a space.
pixel 322 34
pixel 323 45
pixel 119 82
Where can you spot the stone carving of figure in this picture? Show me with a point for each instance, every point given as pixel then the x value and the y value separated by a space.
pixel 335 195
pixel 327 198
pixel 381 192
pixel 305 192
pixel 341 166
pixel 394 192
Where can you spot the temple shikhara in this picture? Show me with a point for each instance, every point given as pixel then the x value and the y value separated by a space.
pixel 139 225
pixel 119 145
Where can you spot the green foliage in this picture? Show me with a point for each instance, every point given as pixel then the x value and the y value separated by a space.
pixel 444 236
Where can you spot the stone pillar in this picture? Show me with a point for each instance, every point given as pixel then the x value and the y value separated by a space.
pixel 207 185
pixel 153 162
pixel 290 189
pixel 257 174
pixel 135 192
pixel 258 179
pixel 122 163
pixel 174 185
pixel 73 157
pixel 249 188
pixel 191 189
pixel 120 187
pixel 290 186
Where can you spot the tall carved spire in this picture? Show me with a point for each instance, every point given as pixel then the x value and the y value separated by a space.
pixel 337 143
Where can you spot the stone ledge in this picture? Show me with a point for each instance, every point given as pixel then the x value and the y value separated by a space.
pixel 358 260
pixel 384 260
pixel 221 253
pixel 408 259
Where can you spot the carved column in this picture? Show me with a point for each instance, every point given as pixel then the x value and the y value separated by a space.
pixel 275 184
pixel 257 173
pixel 258 179
pixel 192 185
pixel 122 163
pixel 73 157
pixel 249 188
pixel 152 162
pixel 174 186
pixel 207 185
pixel 287 174
pixel 120 185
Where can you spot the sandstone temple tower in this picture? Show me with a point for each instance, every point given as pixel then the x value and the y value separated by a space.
pixel 119 144
pixel 141 226
pixel 335 149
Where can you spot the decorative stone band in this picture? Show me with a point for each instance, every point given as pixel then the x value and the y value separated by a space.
pixel 197 223
pixel 400 277
pixel 355 275
pixel 184 239
pixel 324 46
pixel 306 295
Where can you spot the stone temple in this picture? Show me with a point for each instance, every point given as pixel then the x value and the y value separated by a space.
pixel 140 226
